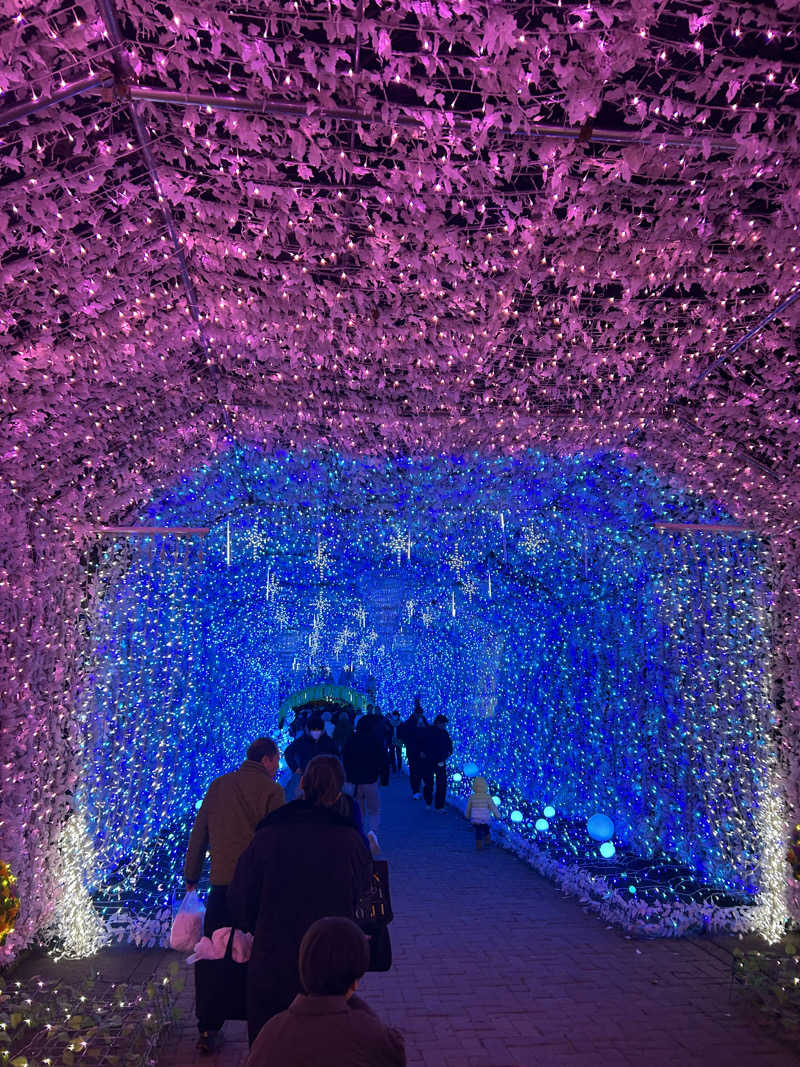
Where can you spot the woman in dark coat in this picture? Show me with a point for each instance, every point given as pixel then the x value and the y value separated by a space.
pixel 306 861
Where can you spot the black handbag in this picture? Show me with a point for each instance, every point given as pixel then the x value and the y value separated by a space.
pixel 221 986
pixel 373 915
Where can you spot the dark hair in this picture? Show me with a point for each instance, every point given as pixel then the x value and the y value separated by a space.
pixel 334 954
pixel 322 780
pixel 316 723
pixel 440 720
pixel 262 747
pixel 363 725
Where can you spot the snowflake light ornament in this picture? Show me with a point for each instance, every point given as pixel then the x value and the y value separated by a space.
pixel 469 586
pixel 342 638
pixel 409 610
pixel 256 539
pixel 399 543
pixel 456 562
pixel 427 617
pixel 281 616
pixel 532 540
pixel 320 604
pixel 361 615
pixel 323 558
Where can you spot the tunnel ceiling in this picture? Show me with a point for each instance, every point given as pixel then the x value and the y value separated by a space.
pixel 393 228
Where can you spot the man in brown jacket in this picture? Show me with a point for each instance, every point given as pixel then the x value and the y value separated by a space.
pixel 225 824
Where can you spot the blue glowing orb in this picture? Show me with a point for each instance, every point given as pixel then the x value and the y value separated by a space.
pixel 516 816
pixel 607 850
pixel 540 824
pixel 631 888
pixel 496 800
pixel 456 777
pixel 471 769
pixel 600 828
pixel 549 812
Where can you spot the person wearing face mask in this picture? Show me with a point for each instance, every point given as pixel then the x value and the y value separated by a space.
pixel 313 742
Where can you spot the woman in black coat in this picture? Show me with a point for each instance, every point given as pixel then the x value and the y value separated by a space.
pixel 305 862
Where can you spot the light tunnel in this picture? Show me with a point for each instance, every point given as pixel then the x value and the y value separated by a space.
pixel 599 639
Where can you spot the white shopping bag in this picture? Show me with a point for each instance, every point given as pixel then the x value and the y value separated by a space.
pixel 187 926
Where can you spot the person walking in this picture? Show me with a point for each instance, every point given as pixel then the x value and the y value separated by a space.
pixel 435 750
pixel 328 1025
pixel 305 862
pixel 396 744
pixel 411 733
pixel 480 809
pixel 365 762
pixel 312 742
pixel 342 731
pixel 232 808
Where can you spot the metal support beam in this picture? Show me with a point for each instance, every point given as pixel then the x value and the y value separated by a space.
pixel 403 118
pixel 751 333
pixel 126 77
pixel 21 111
pixel 700 527
pixel 109 16
pixel 174 531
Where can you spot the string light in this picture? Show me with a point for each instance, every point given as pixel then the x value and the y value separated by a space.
pixel 589 694
pixel 431 305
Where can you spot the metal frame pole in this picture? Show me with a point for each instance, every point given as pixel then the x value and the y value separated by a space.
pixel 283 107
pixel 21 111
pixel 109 16
pixel 175 531
pixel 783 306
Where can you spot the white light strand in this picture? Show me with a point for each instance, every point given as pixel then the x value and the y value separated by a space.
pixel 772 912
pixel 75 924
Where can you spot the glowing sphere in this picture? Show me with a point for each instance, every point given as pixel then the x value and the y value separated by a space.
pixel 607 850
pixel 541 824
pixel 516 816
pixel 456 777
pixel 600 828
pixel 631 888
pixel 549 811
pixel 496 800
pixel 471 769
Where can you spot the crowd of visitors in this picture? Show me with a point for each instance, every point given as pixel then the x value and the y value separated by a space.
pixel 293 868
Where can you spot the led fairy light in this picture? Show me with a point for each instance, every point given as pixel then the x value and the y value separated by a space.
pixel 185 668
pixel 78 929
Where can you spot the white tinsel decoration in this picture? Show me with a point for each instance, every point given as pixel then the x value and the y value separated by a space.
pixel 75 924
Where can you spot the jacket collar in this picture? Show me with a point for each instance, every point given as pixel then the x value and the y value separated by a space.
pixel 301 811
pixel 303 1005
pixel 253 765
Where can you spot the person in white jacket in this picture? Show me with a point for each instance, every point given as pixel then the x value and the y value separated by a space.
pixel 480 809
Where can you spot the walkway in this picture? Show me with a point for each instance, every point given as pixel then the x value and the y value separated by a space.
pixel 494 968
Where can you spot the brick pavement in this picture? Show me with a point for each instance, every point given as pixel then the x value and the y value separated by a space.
pixel 495 968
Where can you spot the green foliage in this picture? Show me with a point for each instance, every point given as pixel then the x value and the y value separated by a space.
pixel 769 978
pixel 96 1022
